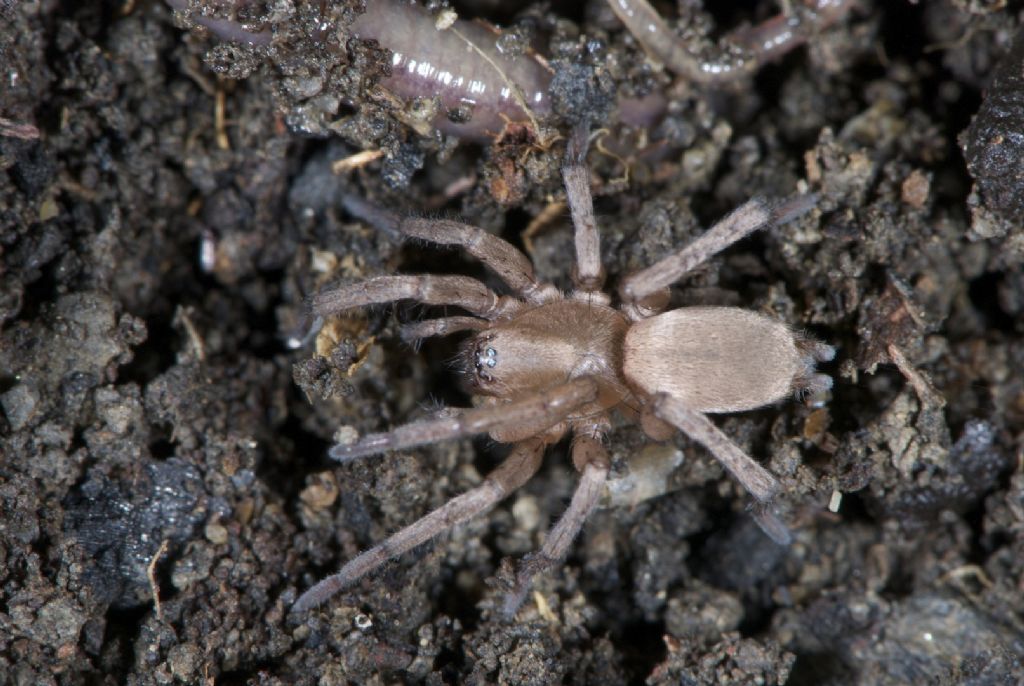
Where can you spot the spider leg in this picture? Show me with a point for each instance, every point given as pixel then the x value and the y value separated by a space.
pixel 442 326
pixel 501 257
pixel 535 412
pixel 461 291
pixel 754 214
pixel 756 479
pixel 591 459
pixel 521 464
pixel 588 274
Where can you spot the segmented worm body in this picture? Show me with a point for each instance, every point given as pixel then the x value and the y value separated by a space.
pixel 461 64
pixel 741 53
pixel 228 29
pixel 482 88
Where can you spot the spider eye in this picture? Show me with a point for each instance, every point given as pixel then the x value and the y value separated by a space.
pixel 484 358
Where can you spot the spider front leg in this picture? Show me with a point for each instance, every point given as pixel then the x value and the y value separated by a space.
pixel 528 416
pixel 756 479
pixel 501 257
pixel 521 464
pixel 755 214
pixel 442 326
pixel 460 291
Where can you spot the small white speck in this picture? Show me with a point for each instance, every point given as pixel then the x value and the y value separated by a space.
pixel 207 252
pixel 346 435
pixel 445 19
pixel 835 500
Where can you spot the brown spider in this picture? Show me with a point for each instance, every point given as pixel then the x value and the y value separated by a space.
pixel 543 363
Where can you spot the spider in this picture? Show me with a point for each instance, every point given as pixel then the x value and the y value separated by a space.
pixel 542 364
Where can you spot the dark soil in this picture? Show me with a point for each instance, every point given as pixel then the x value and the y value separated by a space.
pixel 168 205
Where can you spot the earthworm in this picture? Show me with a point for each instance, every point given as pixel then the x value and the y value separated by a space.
pixel 228 29
pixel 482 88
pixel 741 53
pixel 427 60
pixel 463 65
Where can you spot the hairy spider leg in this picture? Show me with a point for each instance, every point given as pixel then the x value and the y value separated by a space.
pixel 588 273
pixel 757 480
pixel 592 460
pixel 754 214
pixel 539 411
pixel 520 465
pixel 442 326
pixel 499 256
pixel 429 289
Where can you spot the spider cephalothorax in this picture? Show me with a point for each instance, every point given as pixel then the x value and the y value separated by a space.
pixel 544 364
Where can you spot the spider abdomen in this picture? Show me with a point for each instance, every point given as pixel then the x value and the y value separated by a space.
pixel 714 359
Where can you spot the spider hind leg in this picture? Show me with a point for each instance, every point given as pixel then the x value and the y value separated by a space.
pixel 521 464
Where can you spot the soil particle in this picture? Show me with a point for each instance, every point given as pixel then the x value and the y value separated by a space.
pixel 733 660
pixel 921 635
pixel 121 526
pixel 992 146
